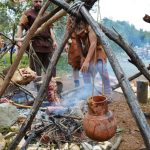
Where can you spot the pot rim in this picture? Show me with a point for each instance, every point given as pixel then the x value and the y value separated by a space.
pixel 105 100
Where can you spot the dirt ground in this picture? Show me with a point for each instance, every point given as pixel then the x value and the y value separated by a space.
pixel 131 136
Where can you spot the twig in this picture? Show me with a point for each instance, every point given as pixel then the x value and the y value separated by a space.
pixel 33 135
pixel 117 143
pixel 63 116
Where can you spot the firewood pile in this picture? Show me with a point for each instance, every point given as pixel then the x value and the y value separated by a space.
pixel 58 126
pixel 61 129
pixel 63 125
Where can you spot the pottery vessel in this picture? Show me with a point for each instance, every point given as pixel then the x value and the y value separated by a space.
pixel 99 123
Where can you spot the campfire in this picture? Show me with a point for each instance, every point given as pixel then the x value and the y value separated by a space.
pixel 59 125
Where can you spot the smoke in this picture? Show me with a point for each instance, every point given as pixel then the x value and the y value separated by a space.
pixel 73 98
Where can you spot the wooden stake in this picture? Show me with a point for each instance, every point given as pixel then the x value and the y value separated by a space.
pixel 142 91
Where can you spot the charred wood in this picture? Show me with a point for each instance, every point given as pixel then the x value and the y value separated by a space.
pixel 34 134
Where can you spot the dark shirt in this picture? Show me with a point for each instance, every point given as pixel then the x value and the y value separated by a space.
pixel 43 41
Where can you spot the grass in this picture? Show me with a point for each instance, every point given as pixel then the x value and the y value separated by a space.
pixel 62 66
pixel 5 61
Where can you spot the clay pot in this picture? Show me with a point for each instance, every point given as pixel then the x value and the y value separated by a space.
pixel 99 124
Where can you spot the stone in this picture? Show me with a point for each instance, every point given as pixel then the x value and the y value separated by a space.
pixel 9 115
pixel 96 147
pixel 74 146
pixel 105 145
pixel 86 146
pixel 2 142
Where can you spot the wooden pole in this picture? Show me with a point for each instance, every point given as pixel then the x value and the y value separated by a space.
pixel 22 50
pixel 128 49
pixel 41 94
pixel 130 79
pixel 142 91
pixel 57 16
pixel 125 85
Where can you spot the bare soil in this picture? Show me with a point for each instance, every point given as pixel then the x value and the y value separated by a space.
pixel 131 135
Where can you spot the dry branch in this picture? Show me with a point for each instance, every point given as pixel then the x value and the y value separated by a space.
pixel 22 50
pixel 130 78
pixel 117 38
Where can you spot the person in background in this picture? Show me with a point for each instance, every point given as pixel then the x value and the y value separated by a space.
pixel 74 58
pixel 92 56
pixel 43 44
pixel 1 43
pixel 146 18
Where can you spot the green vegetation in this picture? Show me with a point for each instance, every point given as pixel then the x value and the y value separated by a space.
pixel 5 61
pixel 62 65
pixel 133 36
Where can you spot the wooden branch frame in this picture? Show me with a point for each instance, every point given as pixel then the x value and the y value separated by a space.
pixel 22 49
pixel 124 83
pixel 130 79
pixel 128 49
